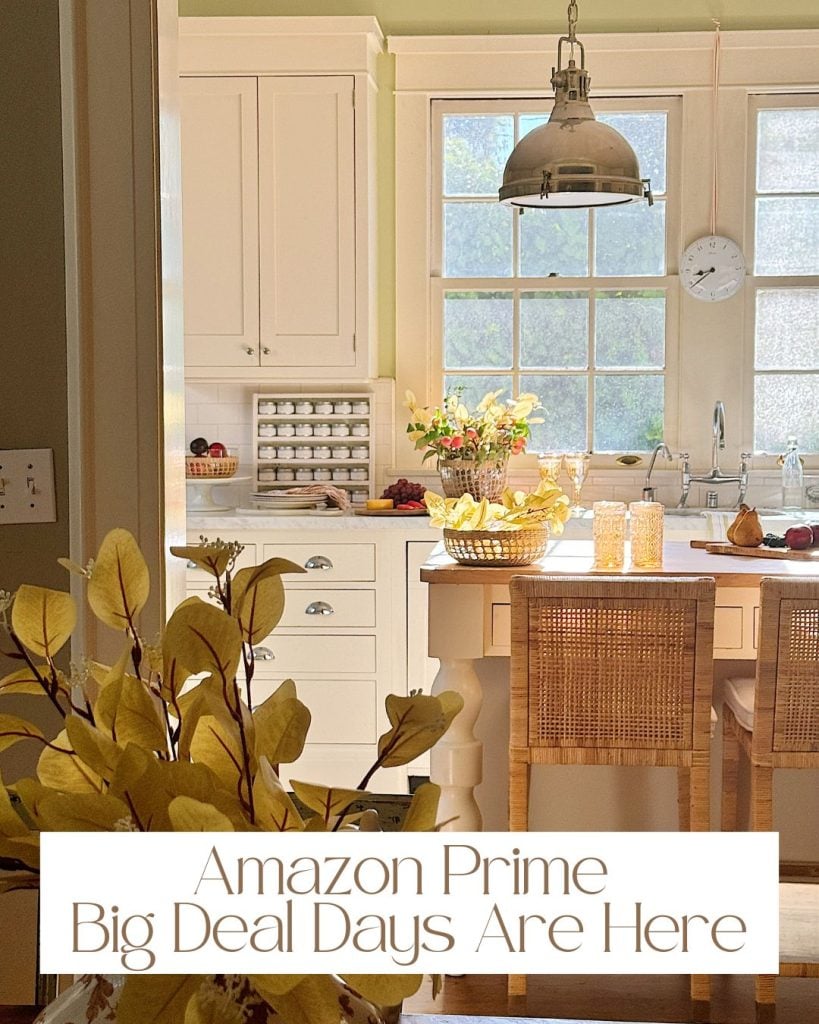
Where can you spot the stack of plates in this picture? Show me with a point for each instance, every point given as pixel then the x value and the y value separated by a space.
pixel 288 502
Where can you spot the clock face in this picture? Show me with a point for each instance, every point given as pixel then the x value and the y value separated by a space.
pixel 712 268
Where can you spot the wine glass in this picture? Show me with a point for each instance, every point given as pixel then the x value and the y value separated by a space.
pixel 577 466
pixel 550 464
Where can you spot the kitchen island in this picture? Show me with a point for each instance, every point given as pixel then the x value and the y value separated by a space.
pixel 469 624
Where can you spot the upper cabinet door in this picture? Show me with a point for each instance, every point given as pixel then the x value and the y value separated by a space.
pixel 307 218
pixel 220 221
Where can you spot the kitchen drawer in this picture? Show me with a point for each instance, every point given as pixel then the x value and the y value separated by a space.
pixel 346 563
pixel 418 552
pixel 343 766
pixel 328 609
pixel 299 654
pixel 342 711
pixel 197 578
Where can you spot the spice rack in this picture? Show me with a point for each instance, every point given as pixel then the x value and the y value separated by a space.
pixel 340 443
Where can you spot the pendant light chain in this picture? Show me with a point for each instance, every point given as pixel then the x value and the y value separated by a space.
pixel 715 129
pixel 572 12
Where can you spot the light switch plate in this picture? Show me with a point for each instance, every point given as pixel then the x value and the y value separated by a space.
pixel 27 486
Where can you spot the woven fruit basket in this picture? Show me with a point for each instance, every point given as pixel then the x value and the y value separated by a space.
pixel 207 468
pixel 496 547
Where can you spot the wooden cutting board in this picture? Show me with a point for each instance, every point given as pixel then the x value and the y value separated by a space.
pixel 724 548
pixel 391 512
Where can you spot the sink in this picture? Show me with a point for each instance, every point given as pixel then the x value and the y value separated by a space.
pixel 765 513
pixel 689 512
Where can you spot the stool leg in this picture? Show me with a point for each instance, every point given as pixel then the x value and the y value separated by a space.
pixel 701 998
pixel 730 770
pixel 765 988
pixel 519 774
pixel 684 799
pixel 761 798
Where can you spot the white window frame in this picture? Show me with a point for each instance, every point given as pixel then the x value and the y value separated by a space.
pixel 715 352
pixel 754 282
pixel 667 283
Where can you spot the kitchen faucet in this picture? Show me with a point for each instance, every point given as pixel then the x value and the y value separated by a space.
pixel 648 490
pixel 715 476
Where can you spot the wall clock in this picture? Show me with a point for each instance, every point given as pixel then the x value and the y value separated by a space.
pixel 712 268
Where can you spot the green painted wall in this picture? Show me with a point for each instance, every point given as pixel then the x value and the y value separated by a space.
pixel 466 17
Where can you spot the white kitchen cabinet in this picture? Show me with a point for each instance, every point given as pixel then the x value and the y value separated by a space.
pixel 220 213
pixel 278 128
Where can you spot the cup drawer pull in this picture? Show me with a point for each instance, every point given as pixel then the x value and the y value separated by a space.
pixel 319 608
pixel 190 564
pixel 263 654
pixel 318 562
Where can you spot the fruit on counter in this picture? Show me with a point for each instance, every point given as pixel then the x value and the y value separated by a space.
pixel 799 537
pixel 773 540
pixel 380 504
pixel 412 506
pixel 746 529
pixel 199 446
pixel 815 531
pixel 404 491
pixel 217 450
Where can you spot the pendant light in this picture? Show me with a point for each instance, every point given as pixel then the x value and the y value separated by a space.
pixel 572 160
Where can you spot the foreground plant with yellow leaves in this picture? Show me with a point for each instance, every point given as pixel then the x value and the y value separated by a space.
pixel 547 505
pixel 165 740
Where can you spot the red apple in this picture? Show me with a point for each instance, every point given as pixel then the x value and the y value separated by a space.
pixel 815 530
pixel 799 537
pixel 217 450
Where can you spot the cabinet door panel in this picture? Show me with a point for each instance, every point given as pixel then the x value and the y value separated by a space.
pixel 307 221
pixel 220 221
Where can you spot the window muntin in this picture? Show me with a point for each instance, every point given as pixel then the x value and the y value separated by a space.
pixel 785 278
pixel 572 304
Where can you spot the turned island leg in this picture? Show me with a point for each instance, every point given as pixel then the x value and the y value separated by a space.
pixel 456 761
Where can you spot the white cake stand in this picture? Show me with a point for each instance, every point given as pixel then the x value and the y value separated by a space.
pixel 200 493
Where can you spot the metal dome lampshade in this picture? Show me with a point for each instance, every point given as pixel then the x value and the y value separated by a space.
pixel 572 160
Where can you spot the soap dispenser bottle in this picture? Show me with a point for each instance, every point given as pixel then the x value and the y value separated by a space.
pixel 792 477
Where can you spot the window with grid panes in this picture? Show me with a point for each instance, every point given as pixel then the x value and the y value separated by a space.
pixel 570 304
pixel 786 273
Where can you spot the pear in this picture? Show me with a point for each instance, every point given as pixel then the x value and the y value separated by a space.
pixel 731 531
pixel 748 531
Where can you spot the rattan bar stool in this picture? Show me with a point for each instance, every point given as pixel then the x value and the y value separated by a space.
pixel 774 719
pixel 613 671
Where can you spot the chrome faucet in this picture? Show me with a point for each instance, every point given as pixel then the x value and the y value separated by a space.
pixel 648 490
pixel 715 476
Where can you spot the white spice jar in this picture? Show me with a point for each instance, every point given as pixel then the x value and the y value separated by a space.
pixel 358 473
pixel 322 430
pixel 341 451
pixel 361 408
pixel 322 473
pixel 360 451
pixel 285 452
pixel 343 408
pixel 267 451
pixel 285 473
pixel 341 429
pixel 303 475
pixel 285 430
pixel 322 451
pixel 359 430
pixel 359 497
pixel 267 476
pixel 304 408
pixel 341 473
pixel 304 430
pixel 267 430
pixel 286 408
pixel 323 408
pixel 304 451
pixel 267 408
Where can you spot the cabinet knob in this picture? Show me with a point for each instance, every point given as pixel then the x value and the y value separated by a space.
pixel 265 350
pixel 319 608
pixel 250 350
pixel 190 564
pixel 263 654
pixel 318 562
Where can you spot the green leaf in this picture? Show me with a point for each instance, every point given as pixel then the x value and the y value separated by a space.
pixel 138 717
pixel 43 619
pixel 327 801
pixel 418 722
pixel 275 984
pixel 156 998
pixel 384 989
pixel 120 584
pixel 282 723
pixel 275 811
pixel 257 597
pixel 423 809
pixel 220 748
pixel 189 815
pixel 11 824
pixel 13 729
pixel 25 681
pixel 203 638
